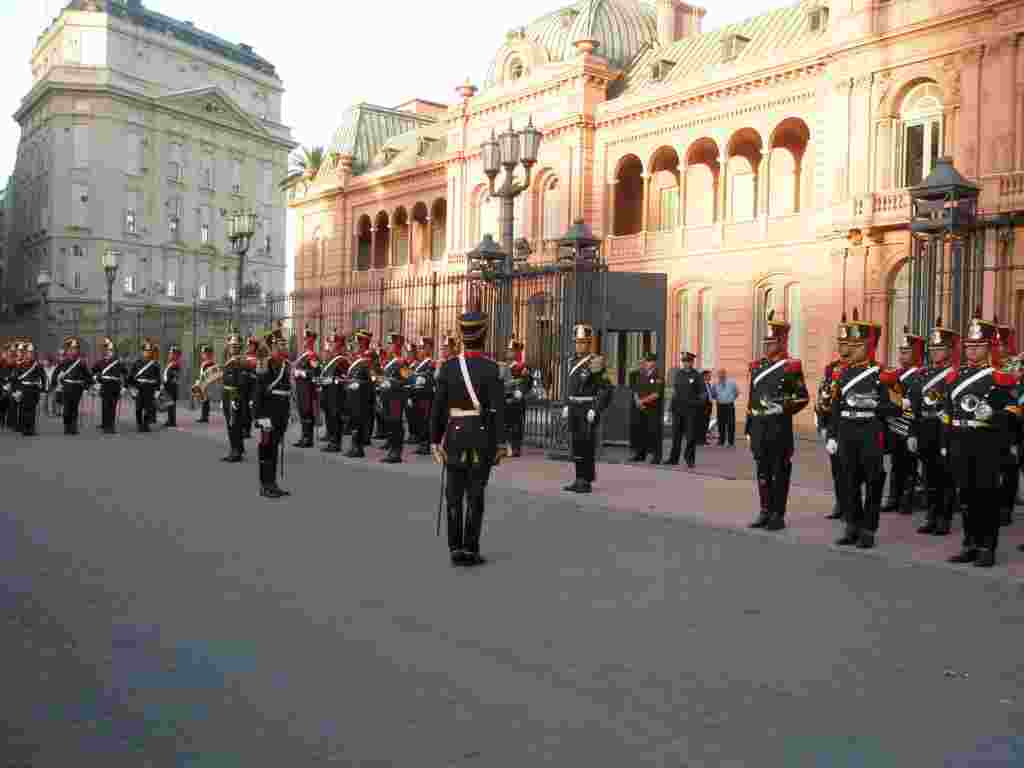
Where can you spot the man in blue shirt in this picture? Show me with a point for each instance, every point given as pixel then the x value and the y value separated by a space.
pixel 725 394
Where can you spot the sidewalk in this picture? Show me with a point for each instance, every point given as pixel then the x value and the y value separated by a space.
pixel 719 492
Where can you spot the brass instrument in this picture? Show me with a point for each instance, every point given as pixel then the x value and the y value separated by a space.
pixel 932 398
pixel 210 375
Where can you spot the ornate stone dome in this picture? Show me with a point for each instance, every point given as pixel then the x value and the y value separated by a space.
pixel 622 27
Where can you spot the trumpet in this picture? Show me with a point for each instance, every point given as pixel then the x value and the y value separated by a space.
pixel 209 376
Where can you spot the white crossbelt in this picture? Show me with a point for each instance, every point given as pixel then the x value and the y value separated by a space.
pixel 935 380
pixel 970 380
pixel 908 372
pixel 461 413
pixel 858 378
pixel 469 384
pixel 766 371
pixel 581 362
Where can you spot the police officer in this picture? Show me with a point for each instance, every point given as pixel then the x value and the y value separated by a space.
pixel 109 375
pixel 589 393
pixel 236 386
pixel 392 393
pixel 857 431
pixel 689 397
pixel 332 391
pixel 978 415
pixel 206 362
pixel 777 393
pixel 75 379
pixel 172 376
pixel 906 390
pixel 306 370
pixel 421 396
pixel 145 378
pixel 272 402
pixel 359 397
pixel 648 389
pixel 468 414
pixel 823 411
pixel 517 383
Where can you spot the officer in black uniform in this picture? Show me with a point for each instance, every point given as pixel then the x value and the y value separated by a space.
pixel 206 362
pixel 29 385
pixel 516 378
pixel 359 397
pixel 333 378
pixel 689 397
pixel 172 376
pixel 74 378
pixel 6 363
pixel 109 375
pixel 647 410
pixel 421 395
pixel 145 379
pixel 272 402
pixel 978 414
pixel 857 431
pixel 589 393
pixel 823 411
pixel 252 363
pixel 392 394
pixel 466 420
pixel 306 370
pixel 929 436
pixel 235 381
pixel 777 393
pixel 1015 450
pixel 906 390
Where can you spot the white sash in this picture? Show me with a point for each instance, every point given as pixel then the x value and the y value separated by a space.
pixel 859 377
pixel 107 369
pixel 469 383
pixel 26 373
pixel 355 363
pixel 908 372
pixel 581 362
pixel 280 375
pixel 72 367
pixel 935 380
pixel 391 362
pixel 144 368
pixel 428 362
pixel 765 372
pixel 167 373
pixel 336 359
pixel 970 380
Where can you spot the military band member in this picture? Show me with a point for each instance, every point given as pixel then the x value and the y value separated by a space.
pixel 929 438
pixel 74 378
pixel 109 375
pixel 6 365
pixel 272 403
pixel 145 379
pixel 172 375
pixel 978 414
pixel 857 431
pixel 823 412
pixel 29 385
pixel 333 378
pixel 252 364
pixel 777 393
pixel 236 382
pixel 646 413
pixel 589 393
pixel 1014 453
pixel 905 390
pixel 15 359
pixel 392 393
pixel 359 398
pixel 518 383
pixel 467 420
pixel 421 395
pixel 206 362
pixel 306 370
pixel 689 397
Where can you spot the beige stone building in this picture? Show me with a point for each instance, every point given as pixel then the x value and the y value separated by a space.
pixel 138 132
pixel 736 160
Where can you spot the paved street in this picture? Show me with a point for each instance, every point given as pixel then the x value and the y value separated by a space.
pixel 157 613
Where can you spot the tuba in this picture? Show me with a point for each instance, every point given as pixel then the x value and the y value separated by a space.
pixel 210 376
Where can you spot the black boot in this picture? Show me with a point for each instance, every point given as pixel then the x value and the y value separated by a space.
pixel 835 514
pixel 968 552
pixel 986 557
pixel 850 537
pixel 775 523
pixel 762 519
pixel 866 540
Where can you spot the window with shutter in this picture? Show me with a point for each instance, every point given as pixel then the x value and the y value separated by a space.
pixel 80 145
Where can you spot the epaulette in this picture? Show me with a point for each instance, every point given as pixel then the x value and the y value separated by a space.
pixel 794 366
pixel 1003 379
pixel 889 377
pixel 952 375
pixel 754 364
pixel 836 373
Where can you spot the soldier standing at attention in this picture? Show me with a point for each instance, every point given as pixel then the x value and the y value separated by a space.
pixel 145 378
pixel 422 394
pixel 235 382
pixel 392 391
pixel 305 370
pixel 589 393
pixel 857 431
pixel 517 383
pixel 272 404
pixel 252 363
pixel 6 355
pixel 75 379
pixel 906 390
pixel 172 375
pixel 978 415
pixel 205 362
pixel 29 385
pixel 823 412
pixel 467 418
pixel 332 391
pixel 648 395
pixel 359 396
pixel 109 375
pixel 689 395
pixel 777 393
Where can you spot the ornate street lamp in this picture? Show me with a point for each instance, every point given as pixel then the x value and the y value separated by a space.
pixel 110 266
pixel 241 228
pixel 43 283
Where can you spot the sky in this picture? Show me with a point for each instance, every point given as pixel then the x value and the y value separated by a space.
pixel 329 53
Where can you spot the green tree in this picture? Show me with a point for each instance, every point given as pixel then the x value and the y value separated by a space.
pixel 305 161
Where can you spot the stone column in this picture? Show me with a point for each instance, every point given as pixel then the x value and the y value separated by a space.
pixel 883 154
pixel 373 246
pixel 860 136
pixel 967 159
pixel 839 156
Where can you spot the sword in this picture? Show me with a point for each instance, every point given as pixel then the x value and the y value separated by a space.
pixel 440 501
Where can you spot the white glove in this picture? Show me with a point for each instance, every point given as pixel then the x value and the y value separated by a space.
pixel 263 423
pixel 518 395
pixel 912 444
pixel 773 409
pixel 907 405
pixel 1014 450
pixel 823 433
pixel 565 412
pixel 300 374
pixel 591 416
pixel 942 451
pixel 983 412
pixel 234 405
pixel 831 446
pixel 17 397
pixel 440 457
pixel 354 386
pixel 385 384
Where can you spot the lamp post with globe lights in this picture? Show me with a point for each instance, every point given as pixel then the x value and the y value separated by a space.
pixel 43 282
pixel 241 228
pixel 110 267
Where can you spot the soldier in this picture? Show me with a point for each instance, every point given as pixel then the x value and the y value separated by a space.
pixel 74 379
pixel 823 412
pixel 1011 458
pixel 306 370
pixel 359 397
pixel 272 403
pixel 17 354
pixel 145 378
pixel 206 362
pixel 857 430
pixel 29 385
pixel 518 383
pixel 978 415
pixel 928 439
pixel 777 393
pixel 421 396
pixel 172 374
pixel 332 391
pixel 236 381
pixel 392 393
pixel 589 393
pixel 468 415
pixel 252 364
pixel 689 395
pixel 108 373
pixel 6 362
pixel 648 397
pixel 906 390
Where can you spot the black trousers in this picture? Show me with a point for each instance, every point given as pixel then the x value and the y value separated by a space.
pixel 981 518
pixel 688 422
pixel 861 454
pixel 4 407
pixel 333 421
pixel 27 412
pixel 726 423
pixel 268 451
pixel 515 423
pixel 647 434
pixel 582 443
pixel 109 398
pixel 394 432
pixel 72 401
pixel 1011 482
pixel 464 497
pixel 145 408
pixel 204 411
pixel 234 426
pixel 361 422
pixel 903 476
pixel 774 472
pixel 940 506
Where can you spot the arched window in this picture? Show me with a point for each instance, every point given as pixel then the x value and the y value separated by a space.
pixel 552 207
pixel 899 309
pixel 706 324
pixel 922 137
pixel 794 316
pixel 765 303
pixel 516 69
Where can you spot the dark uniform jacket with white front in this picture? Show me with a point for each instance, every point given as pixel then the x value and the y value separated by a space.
pixel 73 376
pixel 109 374
pixel 465 436
pixel 778 382
pixel 272 394
pixel 860 404
pixel 145 375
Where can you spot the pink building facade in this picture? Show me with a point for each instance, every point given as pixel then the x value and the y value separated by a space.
pixel 737 161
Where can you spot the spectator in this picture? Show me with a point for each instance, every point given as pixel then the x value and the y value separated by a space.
pixel 709 394
pixel 725 393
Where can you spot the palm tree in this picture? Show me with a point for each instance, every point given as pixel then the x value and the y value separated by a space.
pixel 304 162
